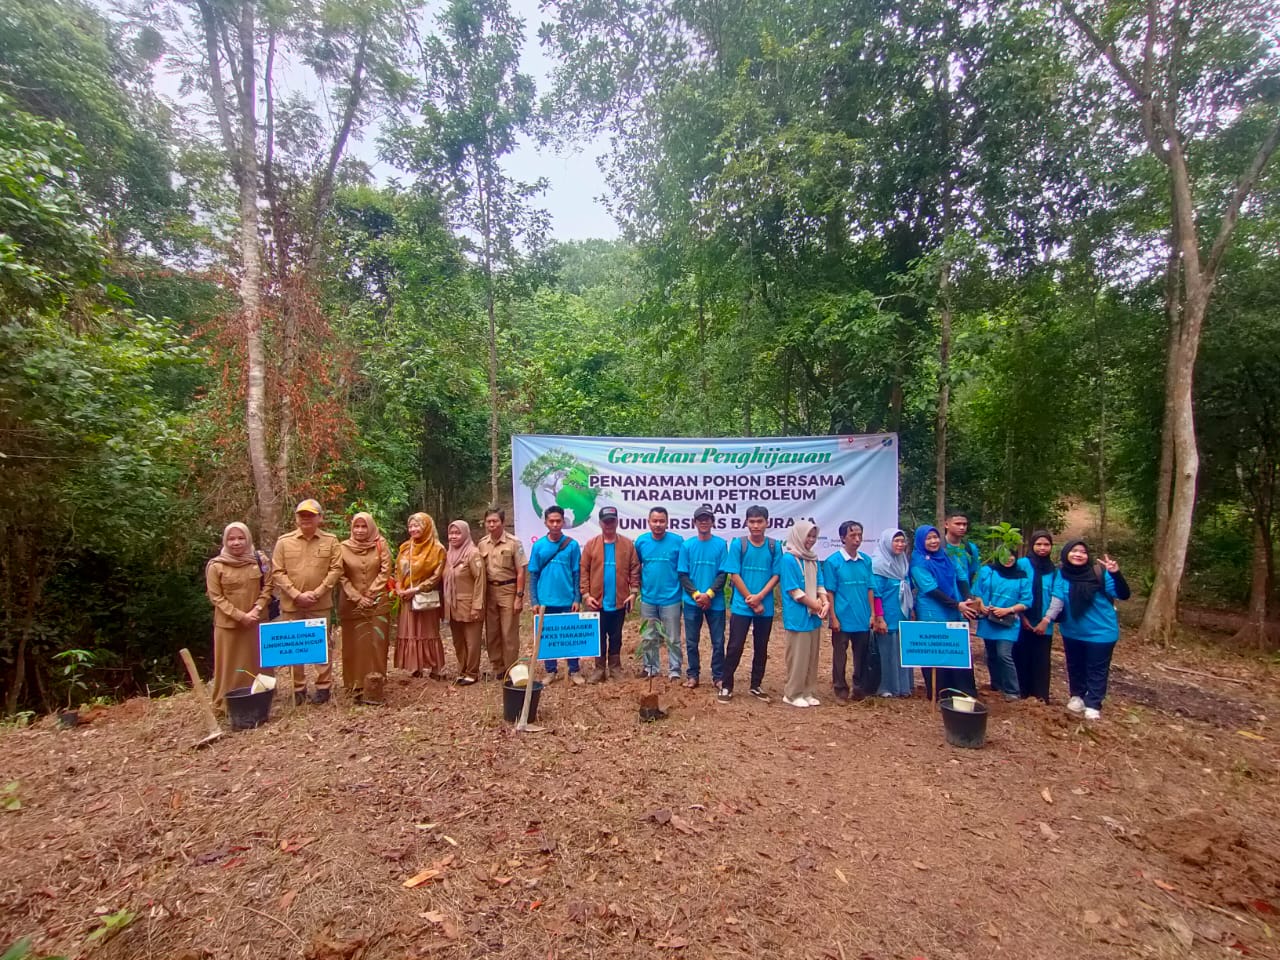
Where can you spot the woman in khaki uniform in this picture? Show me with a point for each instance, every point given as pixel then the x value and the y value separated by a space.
pixel 464 584
pixel 238 582
pixel 363 608
pixel 419 568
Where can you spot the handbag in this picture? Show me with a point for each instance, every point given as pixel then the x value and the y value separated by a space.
pixel 1008 620
pixel 273 606
pixel 429 600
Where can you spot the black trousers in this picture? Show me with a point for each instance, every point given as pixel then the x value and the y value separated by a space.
pixel 1031 661
pixel 866 663
pixel 760 628
pixel 611 631
pixel 950 678
pixel 1088 669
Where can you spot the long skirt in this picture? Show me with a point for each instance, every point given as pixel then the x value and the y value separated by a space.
pixel 365 640
pixel 418 645
pixel 234 649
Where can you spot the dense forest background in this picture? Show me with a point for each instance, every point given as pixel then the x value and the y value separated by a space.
pixel 1040 241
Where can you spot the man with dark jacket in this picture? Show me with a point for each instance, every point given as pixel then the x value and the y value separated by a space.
pixel 610 580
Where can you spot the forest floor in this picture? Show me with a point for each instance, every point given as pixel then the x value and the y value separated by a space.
pixel 737 830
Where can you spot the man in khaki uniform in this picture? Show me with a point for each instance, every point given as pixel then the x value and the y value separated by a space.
pixel 505 566
pixel 305 566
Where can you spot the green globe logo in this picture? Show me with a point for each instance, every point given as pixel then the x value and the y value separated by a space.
pixel 561 478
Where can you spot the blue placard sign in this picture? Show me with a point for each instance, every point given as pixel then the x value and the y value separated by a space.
pixel 935 644
pixel 568 635
pixel 289 643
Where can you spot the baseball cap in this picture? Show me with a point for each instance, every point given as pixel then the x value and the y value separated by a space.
pixel 704 511
pixel 608 513
pixel 308 506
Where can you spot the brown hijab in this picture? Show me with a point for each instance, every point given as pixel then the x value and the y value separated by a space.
pixel 457 557
pixel 250 556
pixel 370 542
pixel 419 561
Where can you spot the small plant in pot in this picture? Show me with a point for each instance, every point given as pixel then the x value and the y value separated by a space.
pixel 652 635
pixel 74 665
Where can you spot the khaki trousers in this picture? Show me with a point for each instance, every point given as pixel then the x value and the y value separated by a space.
pixel 466 646
pixel 324 671
pixel 501 627
pixel 802 663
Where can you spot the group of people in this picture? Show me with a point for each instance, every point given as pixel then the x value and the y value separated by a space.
pixel 680 585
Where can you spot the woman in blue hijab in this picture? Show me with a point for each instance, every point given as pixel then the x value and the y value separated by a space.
pixel 939 599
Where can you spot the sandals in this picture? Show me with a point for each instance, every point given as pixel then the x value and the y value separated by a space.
pixel 691 683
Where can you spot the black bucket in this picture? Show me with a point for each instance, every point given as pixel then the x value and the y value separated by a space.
pixel 513 702
pixel 962 727
pixel 247 709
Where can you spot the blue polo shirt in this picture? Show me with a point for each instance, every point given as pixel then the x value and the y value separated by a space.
pixel 557 572
pixel 756 566
pixel 889 592
pixel 1099 623
pixel 998 591
pixel 701 561
pixel 850 579
pixel 659 583
pixel 795 615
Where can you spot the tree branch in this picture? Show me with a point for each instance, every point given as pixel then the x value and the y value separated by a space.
pixel 217 89
pixel 1243 188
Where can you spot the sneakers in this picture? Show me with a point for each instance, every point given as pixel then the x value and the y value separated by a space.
pixel 812 701
pixel 464 681
pixel 1091 714
pixel 724 696
pixel 797 702
pixel 672 676
pixel 1075 705
pixel 760 695
pixel 577 679
pixel 551 676
pixel 299 697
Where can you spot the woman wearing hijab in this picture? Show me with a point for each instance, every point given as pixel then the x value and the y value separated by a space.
pixel 419 568
pixel 238 583
pixel 937 593
pixel 891 584
pixel 1003 590
pixel 363 609
pixel 1085 596
pixel 464 586
pixel 1035 637
pixel 804 607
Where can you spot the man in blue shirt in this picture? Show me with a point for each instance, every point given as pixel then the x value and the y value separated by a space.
pixel 659 552
pixel 702 580
pixel 964 555
pixel 848 576
pixel 554 566
pixel 753 564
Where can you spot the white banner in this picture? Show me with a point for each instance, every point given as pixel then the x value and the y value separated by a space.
pixel 824 479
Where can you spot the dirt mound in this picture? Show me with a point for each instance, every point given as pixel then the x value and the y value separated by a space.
pixel 1214 851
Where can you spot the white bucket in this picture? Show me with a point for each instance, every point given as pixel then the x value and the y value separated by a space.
pixel 518 674
pixel 963 704
pixel 262 683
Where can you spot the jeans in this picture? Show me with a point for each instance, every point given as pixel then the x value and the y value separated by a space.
pixel 1031 661
pixel 611 631
pixel 866 675
pixel 693 617
pixel 760 629
pixel 668 615
pixel 551 666
pixel 1004 676
pixel 1088 669
pixel 895 679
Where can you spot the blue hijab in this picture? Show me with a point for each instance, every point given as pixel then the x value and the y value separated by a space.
pixel 937 563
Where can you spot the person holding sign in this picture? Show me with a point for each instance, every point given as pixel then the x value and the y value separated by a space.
pixel 555 565
pixel 804 607
pixel 464 585
pixel 362 605
pixel 702 578
pixel 848 575
pixel 893 603
pixel 1085 596
pixel 939 600
pixel 238 584
pixel 754 566
pixel 419 570
pixel 659 553
pixel 306 565
pixel 609 580
pixel 1003 590
pixel 1031 653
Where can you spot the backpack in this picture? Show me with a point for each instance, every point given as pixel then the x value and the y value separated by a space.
pixel 742 548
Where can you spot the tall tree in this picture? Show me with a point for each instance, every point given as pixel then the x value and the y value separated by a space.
pixel 1188 74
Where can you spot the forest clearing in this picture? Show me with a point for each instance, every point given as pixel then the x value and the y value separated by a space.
pixel 725 830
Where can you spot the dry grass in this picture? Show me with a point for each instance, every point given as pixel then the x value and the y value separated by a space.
pixel 740 830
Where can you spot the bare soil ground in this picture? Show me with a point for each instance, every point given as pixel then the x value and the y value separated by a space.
pixel 740 830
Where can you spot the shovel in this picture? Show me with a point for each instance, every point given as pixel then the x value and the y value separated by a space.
pixel 202 695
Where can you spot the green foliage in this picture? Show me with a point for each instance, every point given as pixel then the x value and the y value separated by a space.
pixel 111 924
pixel 9 800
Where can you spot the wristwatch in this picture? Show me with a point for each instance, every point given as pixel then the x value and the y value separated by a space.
pixel 520 594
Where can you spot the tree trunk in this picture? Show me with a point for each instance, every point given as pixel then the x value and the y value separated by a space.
pixel 1102 423
pixel 1164 475
pixel 944 398
pixel 1254 631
